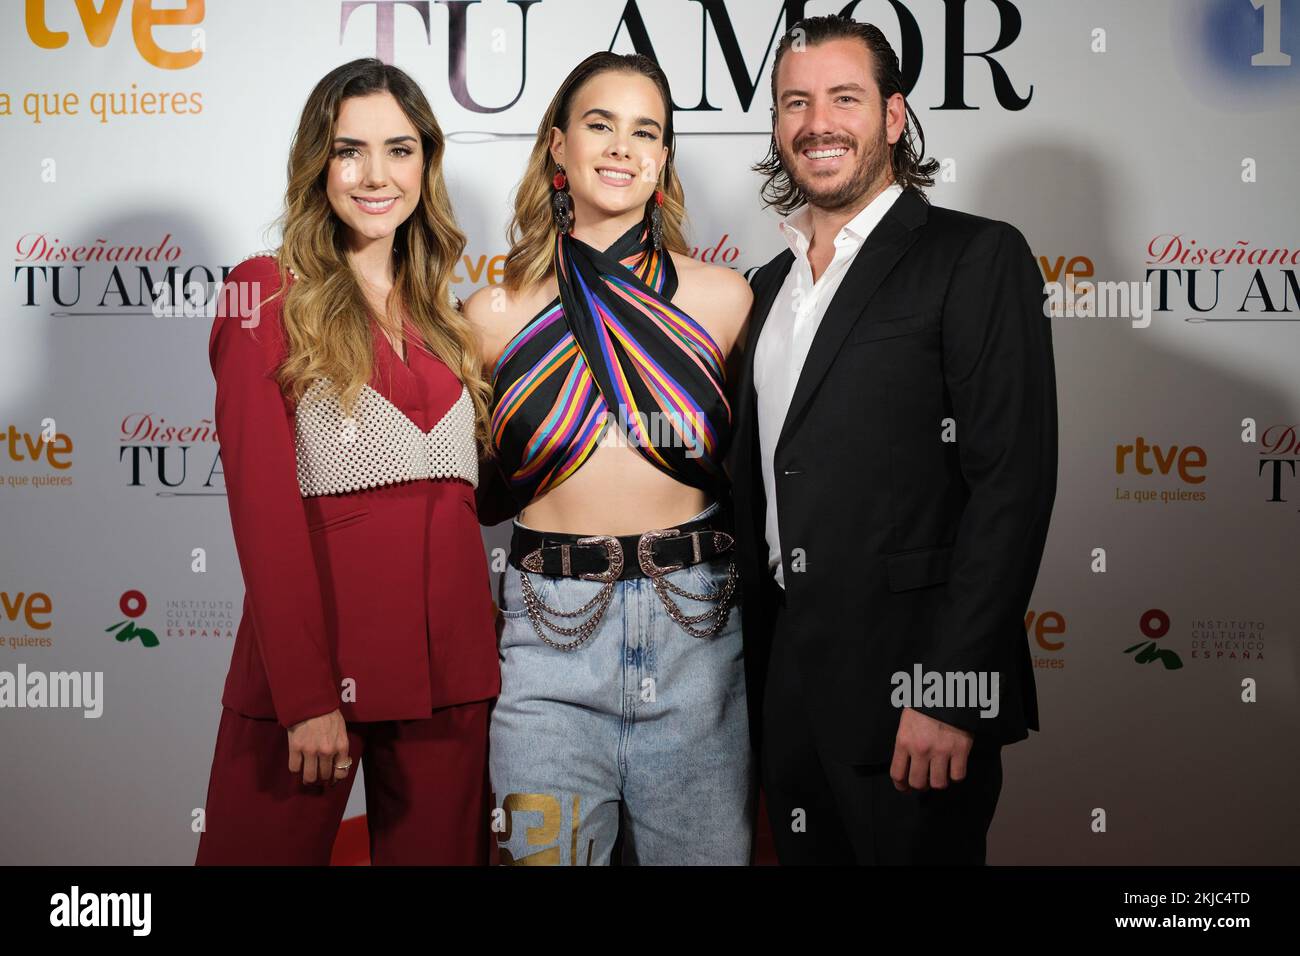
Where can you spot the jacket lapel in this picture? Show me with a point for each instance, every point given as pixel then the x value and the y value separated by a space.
pixel 879 253
pixel 745 398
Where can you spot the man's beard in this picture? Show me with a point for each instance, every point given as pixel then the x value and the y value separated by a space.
pixel 870 166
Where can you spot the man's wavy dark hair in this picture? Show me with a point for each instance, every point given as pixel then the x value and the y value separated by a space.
pixel 905 158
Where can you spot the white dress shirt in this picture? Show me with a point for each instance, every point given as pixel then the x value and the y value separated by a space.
pixel 788 333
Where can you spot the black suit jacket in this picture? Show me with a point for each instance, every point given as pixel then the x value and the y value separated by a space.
pixel 916 550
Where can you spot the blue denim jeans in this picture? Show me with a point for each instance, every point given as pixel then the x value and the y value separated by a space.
pixel 642 725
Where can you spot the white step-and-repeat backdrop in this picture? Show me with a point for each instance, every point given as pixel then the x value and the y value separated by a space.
pixel 1147 149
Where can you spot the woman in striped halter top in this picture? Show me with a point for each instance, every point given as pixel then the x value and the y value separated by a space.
pixel 622 718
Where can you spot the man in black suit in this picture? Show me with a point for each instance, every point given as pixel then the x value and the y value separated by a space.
pixel 894 469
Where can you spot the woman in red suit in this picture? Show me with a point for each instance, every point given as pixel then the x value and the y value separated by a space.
pixel 352 411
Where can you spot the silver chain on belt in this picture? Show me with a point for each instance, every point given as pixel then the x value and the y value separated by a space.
pixel 715 617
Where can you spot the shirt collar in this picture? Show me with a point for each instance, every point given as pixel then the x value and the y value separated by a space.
pixel 797 229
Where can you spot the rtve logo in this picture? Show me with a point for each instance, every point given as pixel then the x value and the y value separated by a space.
pixel 32 608
pixel 1041 626
pixel 1143 456
pixel 98 26
pixel 24 446
pixel 1080 267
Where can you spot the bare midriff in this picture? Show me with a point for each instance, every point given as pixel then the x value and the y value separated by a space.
pixel 615 491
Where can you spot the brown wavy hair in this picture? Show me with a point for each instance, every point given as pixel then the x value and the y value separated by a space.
pixel 905 157
pixel 326 315
pixel 531 233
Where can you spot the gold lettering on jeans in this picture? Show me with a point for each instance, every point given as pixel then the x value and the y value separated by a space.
pixel 540 836
pixel 548 832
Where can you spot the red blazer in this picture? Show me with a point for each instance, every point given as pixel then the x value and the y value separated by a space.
pixel 383 585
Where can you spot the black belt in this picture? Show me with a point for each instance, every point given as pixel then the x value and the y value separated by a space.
pixel 619 558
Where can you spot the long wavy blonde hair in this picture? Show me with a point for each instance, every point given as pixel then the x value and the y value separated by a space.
pixel 325 313
pixel 532 229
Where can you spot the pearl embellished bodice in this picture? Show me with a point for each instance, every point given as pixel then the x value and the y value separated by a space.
pixel 378 444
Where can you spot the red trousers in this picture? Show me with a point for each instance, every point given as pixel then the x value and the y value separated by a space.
pixel 427 793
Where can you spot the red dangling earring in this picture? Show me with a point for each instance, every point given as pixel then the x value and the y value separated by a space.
pixel 561 204
pixel 657 221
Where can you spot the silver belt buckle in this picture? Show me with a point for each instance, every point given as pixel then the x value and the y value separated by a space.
pixel 613 551
pixel 646 559
pixel 532 561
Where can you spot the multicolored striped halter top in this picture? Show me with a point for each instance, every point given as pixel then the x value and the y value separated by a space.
pixel 611 342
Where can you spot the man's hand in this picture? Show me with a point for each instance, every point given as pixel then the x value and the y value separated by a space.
pixel 928 752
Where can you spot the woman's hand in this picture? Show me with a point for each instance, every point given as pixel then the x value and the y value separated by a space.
pixel 318 748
